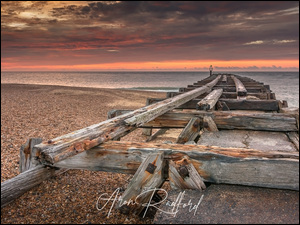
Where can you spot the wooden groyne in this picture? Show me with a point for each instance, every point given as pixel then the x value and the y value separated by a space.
pixel 217 104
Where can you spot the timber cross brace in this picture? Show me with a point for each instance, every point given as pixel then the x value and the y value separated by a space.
pixel 213 106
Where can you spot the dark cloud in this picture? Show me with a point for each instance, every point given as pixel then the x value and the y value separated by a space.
pixel 153 30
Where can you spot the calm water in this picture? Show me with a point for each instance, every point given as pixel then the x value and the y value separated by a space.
pixel 284 84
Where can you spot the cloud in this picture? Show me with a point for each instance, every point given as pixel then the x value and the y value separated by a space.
pixel 254 42
pixel 150 30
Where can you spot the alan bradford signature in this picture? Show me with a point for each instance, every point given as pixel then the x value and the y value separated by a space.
pixel 173 205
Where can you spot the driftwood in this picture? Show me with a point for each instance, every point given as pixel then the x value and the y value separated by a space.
pixel 275 169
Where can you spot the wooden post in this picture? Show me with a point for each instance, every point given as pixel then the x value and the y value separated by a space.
pixel 147 131
pixel 147 180
pixel 27 156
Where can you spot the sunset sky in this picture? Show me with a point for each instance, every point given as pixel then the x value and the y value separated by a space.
pixel 150 35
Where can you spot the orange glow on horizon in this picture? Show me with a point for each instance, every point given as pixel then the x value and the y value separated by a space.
pixel 163 65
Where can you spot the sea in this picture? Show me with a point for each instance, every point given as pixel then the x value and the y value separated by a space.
pixel 285 85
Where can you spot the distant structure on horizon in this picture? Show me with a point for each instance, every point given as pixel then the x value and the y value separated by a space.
pixel 210 70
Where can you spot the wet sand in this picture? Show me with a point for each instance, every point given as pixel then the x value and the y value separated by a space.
pixel 48 112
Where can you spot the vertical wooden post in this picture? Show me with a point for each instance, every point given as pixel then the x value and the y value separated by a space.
pixel 147 131
pixel 27 156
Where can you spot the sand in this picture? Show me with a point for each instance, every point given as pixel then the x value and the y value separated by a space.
pixel 48 112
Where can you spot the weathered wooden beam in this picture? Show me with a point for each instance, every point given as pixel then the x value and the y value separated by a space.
pixel 230 120
pixel 210 100
pixel 251 104
pixel 160 108
pixel 229 89
pixel 27 156
pixel 233 94
pixel 234 104
pixel 156 134
pixel 211 125
pixel 73 143
pixel 15 187
pixel 276 169
pixel 147 180
pixel 183 175
pixel 190 132
pixel 240 88
pixel 32 173
pixel 224 79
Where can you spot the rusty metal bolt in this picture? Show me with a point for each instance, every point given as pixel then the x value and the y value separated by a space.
pixel 183 171
pixel 151 168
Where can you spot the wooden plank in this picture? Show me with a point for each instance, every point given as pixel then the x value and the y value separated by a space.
pixel 73 143
pixel 147 180
pixel 15 187
pixel 210 100
pixel 190 132
pixel 160 108
pixel 276 169
pixel 240 88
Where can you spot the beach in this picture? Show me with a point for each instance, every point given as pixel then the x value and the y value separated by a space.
pixel 31 111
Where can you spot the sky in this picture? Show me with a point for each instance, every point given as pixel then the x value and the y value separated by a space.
pixel 149 35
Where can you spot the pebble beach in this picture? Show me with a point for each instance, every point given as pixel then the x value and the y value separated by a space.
pixel 48 112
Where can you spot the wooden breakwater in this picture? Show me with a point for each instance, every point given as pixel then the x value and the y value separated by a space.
pixel 221 102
